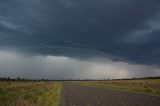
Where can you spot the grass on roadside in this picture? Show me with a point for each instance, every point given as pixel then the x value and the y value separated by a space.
pixel 148 86
pixel 30 93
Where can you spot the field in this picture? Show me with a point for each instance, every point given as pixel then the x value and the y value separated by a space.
pixel 80 93
pixel 18 93
pixel 147 86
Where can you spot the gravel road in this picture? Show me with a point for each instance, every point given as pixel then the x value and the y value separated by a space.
pixel 78 95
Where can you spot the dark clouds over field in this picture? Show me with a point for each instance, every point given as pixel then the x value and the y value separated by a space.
pixel 119 30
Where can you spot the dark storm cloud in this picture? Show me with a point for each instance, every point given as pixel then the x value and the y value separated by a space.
pixel 119 29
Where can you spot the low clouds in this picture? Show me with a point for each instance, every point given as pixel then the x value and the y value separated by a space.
pixel 73 32
pixel 126 29
pixel 14 64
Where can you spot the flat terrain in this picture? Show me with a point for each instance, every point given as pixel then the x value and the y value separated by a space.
pixel 24 93
pixel 142 86
pixel 78 95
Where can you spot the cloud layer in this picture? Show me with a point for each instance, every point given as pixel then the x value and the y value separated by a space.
pixel 126 30
pixel 14 65
pixel 64 38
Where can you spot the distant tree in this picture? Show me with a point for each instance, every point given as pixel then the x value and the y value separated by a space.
pixel 8 78
pixel 18 78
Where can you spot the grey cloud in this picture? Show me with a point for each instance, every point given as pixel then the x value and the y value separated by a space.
pixel 84 28
pixel 14 64
pixel 9 25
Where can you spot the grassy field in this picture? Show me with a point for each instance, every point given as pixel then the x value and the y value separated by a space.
pixel 30 93
pixel 147 86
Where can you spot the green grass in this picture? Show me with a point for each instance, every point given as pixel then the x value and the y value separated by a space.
pixel 30 93
pixel 147 87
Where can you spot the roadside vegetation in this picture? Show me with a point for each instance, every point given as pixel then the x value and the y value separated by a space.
pixel 29 93
pixel 146 86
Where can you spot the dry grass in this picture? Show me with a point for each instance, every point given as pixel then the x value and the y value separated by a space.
pixel 148 86
pixel 30 93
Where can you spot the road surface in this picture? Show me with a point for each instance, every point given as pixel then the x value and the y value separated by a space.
pixel 78 95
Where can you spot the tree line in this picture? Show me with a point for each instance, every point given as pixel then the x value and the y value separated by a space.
pixel 23 79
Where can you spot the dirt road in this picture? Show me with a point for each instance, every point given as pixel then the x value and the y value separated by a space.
pixel 77 95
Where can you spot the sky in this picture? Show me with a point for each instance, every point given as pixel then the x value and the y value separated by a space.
pixel 79 39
